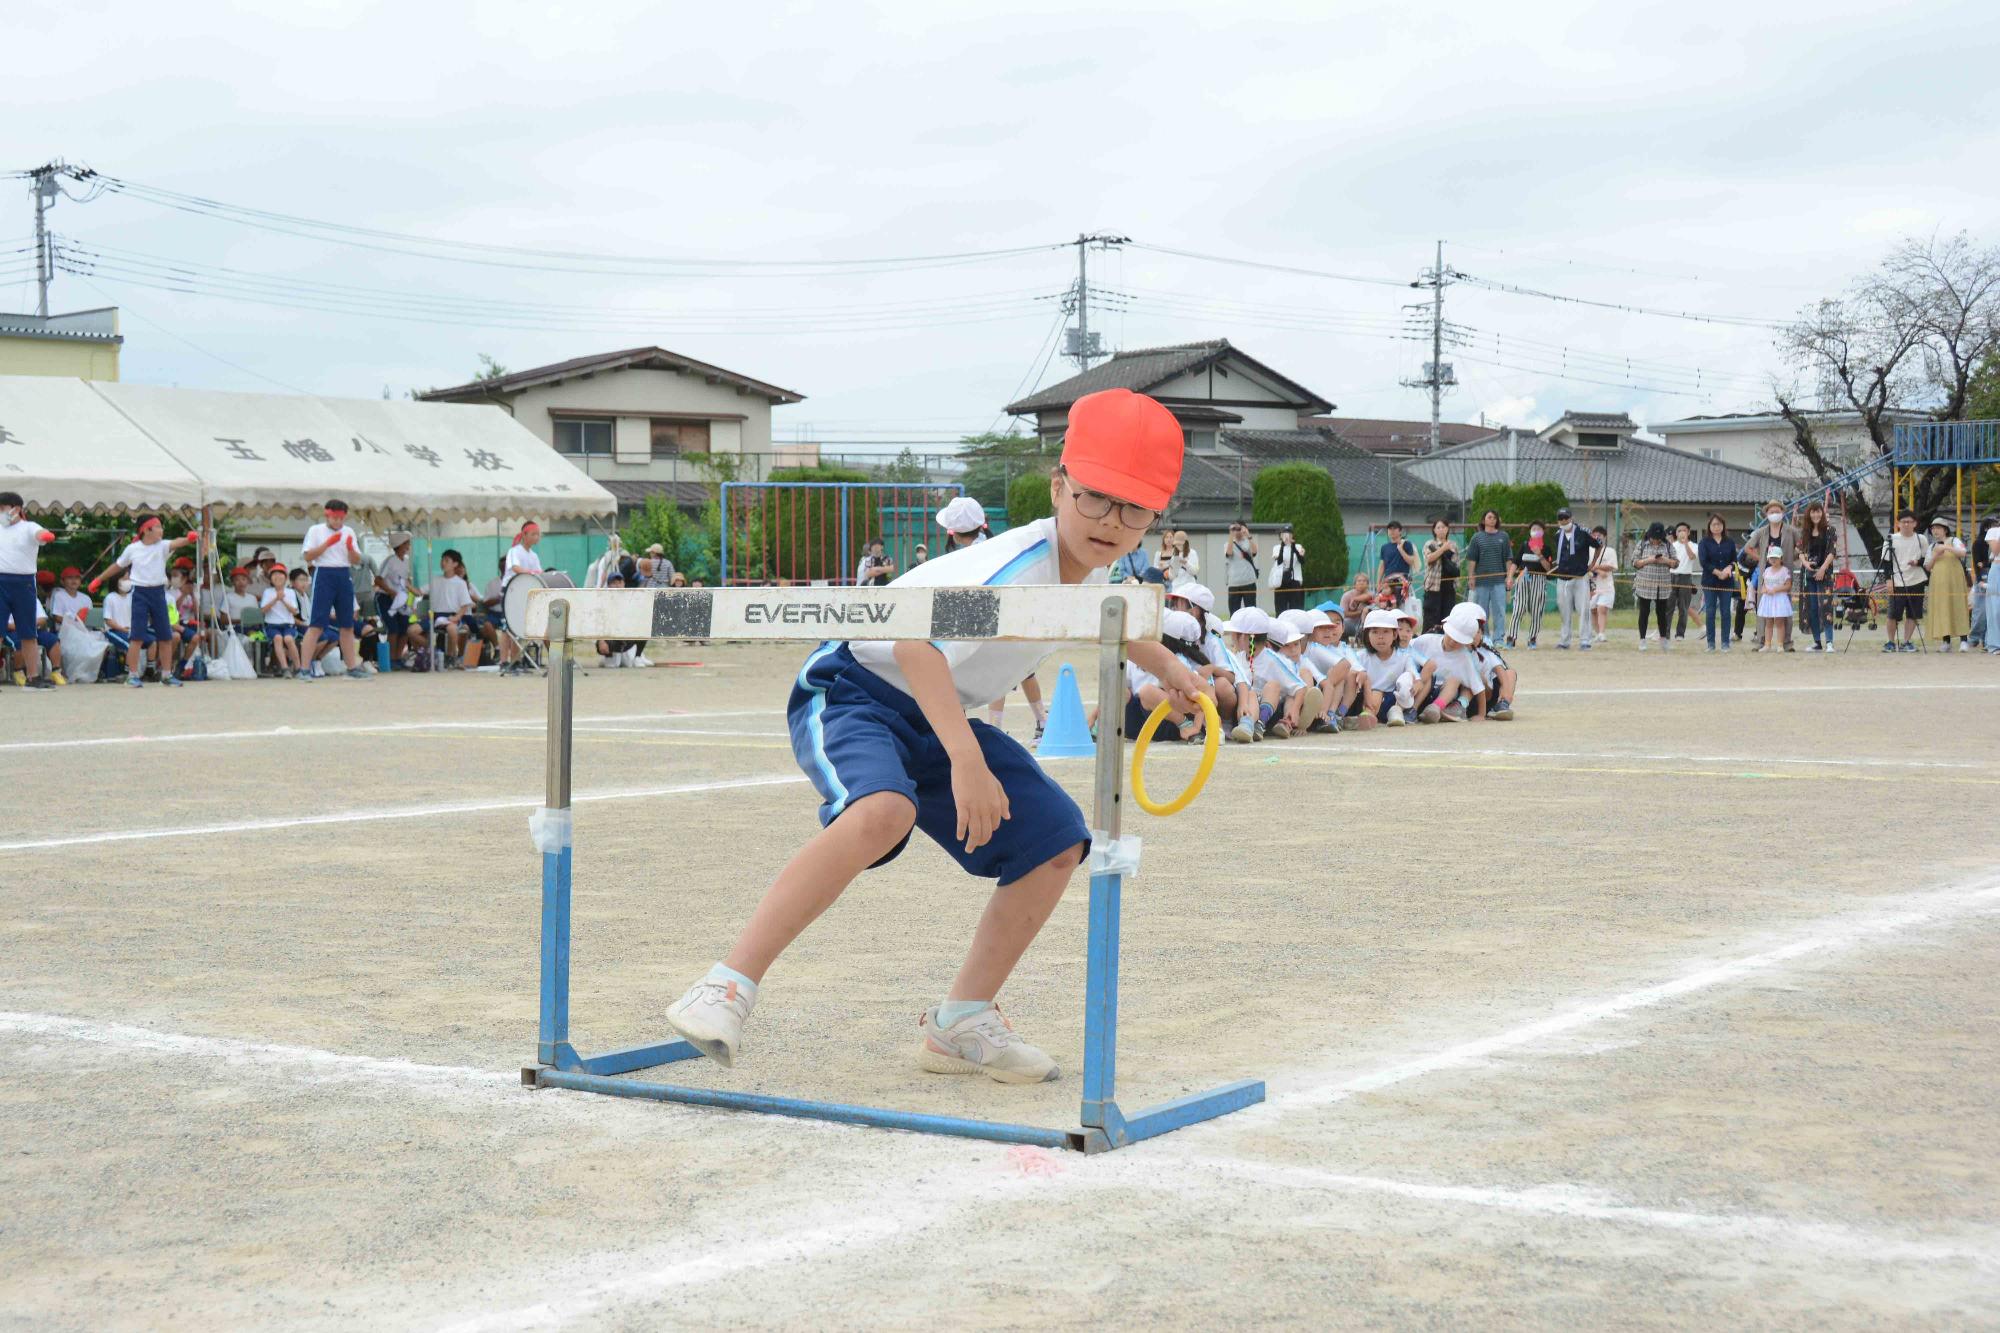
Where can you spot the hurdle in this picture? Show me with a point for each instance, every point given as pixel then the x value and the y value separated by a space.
pixel 1068 614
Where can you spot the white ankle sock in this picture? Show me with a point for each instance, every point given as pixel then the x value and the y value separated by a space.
pixel 951 1012
pixel 723 975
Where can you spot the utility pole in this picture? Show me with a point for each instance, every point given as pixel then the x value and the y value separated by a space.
pixel 1080 345
pixel 46 191
pixel 1438 375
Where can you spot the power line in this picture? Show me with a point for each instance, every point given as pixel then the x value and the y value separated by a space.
pixel 1272 268
pixel 189 342
pixel 1740 321
pixel 513 256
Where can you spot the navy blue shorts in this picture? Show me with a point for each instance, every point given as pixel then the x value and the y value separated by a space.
pixel 276 632
pixel 149 616
pixel 17 599
pixel 333 598
pixel 855 735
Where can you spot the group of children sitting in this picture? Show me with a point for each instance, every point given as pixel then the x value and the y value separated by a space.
pixel 1307 671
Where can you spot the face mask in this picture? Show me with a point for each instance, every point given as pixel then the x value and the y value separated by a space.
pixel 124 585
pixel 8 517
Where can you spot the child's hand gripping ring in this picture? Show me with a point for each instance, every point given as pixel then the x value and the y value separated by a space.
pixel 1212 743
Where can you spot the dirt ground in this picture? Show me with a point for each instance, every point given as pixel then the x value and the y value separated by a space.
pixel 1668 1003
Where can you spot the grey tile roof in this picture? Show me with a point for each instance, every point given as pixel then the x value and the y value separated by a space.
pixel 1617 421
pixel 1140 369
pixel 1642 471
pixel 1359 477
pixel 1382 435
pixel 632 358
pixel 1146 368
pixel 685 494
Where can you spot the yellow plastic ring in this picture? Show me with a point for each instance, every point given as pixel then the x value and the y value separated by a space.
pixel 1209 747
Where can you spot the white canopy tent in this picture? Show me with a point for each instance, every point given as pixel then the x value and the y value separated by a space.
pixel 64 447
pixel 71 444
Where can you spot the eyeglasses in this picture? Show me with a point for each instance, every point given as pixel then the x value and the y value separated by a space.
pixel 1093 504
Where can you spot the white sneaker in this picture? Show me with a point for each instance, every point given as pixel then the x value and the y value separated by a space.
pixel 603 662
pixel 985 1044
pixel 639 659
pixel 1431 713
pixel 711 1017
pixel 1964 647
pixel 1642 645
pixel 1242 733
pixel 1396 718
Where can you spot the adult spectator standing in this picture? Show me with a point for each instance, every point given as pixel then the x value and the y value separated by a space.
pixel 1907 553
pixel 875 569
pixel 1239 567
pixel 1603 582
pixel 1440 574
pixel 1179 561
pixel 1686 577
pixel 1990 585
pixel 1399 554
pixel 1653 583
pixel 1131 567
pixel 1288 573
pixel 1946 617
pixel 1569 565
pixel 1982 564
pixel 21 543
pixel 1718 580
pixel 1528 580
pixel 1489 555
pixel 1815 585
pixel 331 551
pixel 655 570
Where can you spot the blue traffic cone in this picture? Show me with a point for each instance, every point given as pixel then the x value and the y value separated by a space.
pixel 1067 735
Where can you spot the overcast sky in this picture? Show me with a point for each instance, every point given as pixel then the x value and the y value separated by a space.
pixel 1714 158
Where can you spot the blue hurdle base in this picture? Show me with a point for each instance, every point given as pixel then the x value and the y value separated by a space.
pixel 1113 1130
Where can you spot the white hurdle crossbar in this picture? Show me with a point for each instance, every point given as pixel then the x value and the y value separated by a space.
pixel 1109 616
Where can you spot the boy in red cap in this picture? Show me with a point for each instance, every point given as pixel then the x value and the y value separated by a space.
pixel 332 551
pixel 881 730
pixel 146 559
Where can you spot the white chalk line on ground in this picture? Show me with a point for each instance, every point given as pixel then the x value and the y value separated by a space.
pixel 394 812
pixel 1580 1203
pixel 1887 917
pixel 1493 752
pixel 368 729
pixel 1831 934
pixel 1870 687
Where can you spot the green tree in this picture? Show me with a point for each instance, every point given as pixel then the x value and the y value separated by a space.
pixel 690 541
pixel 1527 502
pixel 1028 499
pixel 1302 495
pixel 489 369
pixel 906 470
pixel 994 460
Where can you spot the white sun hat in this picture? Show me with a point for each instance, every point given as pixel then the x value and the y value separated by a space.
pixel 1298 620
pixel 1379 620
pixel 963 514
pixel 1461 625
pixel 1182 626
pixel 1283 632
pixel 1248 620
pixel 1195 593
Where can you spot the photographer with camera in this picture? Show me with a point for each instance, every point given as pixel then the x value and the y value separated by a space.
pixel 1907 554
pixel 1239 568
pixel 1288 573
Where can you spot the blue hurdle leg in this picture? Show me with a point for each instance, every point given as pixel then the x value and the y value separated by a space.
pixel 1100 1003
pixel 555 955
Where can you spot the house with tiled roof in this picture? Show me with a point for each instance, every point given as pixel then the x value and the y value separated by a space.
pixel 641 421
pixel 82 344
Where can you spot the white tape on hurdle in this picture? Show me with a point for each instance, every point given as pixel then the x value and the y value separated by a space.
pixel 1060 614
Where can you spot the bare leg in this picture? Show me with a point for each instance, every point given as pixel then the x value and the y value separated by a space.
pixel 810 882
pixel 309 650
pixel 1014 915
pixel 349 653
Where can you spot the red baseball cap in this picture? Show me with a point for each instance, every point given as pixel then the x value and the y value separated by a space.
pixel 45 578
pixel 72 572
pixel 1125 445
pixel 183 563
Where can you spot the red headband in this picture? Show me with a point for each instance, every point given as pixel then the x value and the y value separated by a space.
pixel 150 523
pixel 530 526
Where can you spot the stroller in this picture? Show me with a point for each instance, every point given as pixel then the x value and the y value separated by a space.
pixel 1855 605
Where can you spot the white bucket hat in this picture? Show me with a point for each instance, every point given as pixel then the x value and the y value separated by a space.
pixel 1405 613
pixel 1182 626
pixel 1462 625
pixel 1379 620
pixel 1195 593
pixel 963 514
pixel 1248 620
pixel 1282 632
pixel 1314 620
pixel 1474 607
pixel 1298 620
pixel 1216 624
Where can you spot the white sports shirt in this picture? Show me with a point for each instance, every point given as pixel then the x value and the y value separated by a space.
pixel 983 670
pixel 336 556
pixel 20 547
pixel 147 563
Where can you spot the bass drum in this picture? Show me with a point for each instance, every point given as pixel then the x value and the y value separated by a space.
pixel 514 602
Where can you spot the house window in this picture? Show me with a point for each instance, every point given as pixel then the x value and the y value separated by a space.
pixel 1712 453
pixel 671 439
pixel 584 437
pixel 1590 439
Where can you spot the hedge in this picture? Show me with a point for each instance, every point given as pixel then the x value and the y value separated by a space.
pixel 1527 502
pixel 1028 499
pixel 1303 495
